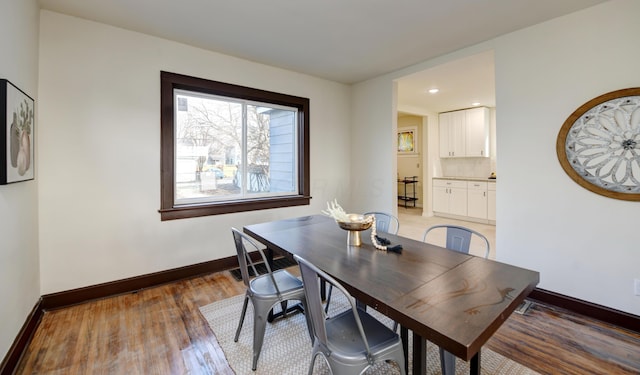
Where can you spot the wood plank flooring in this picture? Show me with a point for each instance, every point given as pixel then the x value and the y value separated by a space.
pixel 160 331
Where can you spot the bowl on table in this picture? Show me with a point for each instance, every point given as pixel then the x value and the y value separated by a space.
pixel 354 226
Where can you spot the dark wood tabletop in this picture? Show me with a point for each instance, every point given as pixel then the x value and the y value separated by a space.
pixel 454 300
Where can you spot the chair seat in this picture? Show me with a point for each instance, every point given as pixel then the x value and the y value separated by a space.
pixel 263 286
pixel 344 337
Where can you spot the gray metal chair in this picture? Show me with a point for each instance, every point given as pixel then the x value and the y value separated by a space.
pixel 265 291
pixel 351 341
pixel 459 239
pixel 385 223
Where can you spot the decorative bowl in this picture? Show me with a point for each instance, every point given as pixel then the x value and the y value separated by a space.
pixel 356 224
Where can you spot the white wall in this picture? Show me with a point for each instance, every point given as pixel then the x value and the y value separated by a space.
pixel 19 273
pixel 100 152
pixel 373 147
pixel 583 244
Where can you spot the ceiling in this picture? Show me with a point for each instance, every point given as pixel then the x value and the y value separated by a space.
pixel 461 83
pixel 346 41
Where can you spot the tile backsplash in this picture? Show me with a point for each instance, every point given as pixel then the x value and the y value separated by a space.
pixel 467 167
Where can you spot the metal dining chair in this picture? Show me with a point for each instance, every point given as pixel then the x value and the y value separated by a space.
pixel 351 341
pixel 265 291
pixel 458 238
pixel 385 223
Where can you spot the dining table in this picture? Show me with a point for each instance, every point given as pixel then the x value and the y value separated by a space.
pixel 455 300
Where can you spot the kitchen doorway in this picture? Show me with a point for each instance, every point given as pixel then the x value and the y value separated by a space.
pixel 452 86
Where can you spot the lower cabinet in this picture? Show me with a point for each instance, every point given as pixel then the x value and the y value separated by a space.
pixel 477 199
pixel 450 197
pixel 465 199
pixel 491 202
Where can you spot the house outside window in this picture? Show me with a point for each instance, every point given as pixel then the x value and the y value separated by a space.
pixel 228 148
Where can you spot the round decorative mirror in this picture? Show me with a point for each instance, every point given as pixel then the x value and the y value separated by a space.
pixel 599 145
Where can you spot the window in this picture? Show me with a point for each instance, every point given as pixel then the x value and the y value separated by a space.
pixel 228 148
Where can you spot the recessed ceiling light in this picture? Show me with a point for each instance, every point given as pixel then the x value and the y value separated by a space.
pixel 433 91
pixel 475 104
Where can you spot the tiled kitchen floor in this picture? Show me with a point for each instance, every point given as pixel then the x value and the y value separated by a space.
pixel 413 225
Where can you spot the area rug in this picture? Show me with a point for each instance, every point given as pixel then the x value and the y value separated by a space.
pixel 287 346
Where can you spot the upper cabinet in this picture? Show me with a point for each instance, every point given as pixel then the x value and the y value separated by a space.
pixel 452 134
pixel 465 133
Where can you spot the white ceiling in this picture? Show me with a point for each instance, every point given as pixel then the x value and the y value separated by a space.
pixel 461 83
pixel 345 41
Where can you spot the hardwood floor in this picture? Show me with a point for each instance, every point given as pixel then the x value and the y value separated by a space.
pixel 161 331
pixel 154 331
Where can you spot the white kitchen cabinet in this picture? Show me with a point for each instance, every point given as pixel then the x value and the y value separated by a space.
pixel 477 132
pixel 465 199
pixel 477 199
pixel 491 202
pixel 452 134
pixel 440 198
pixel 458 204
pixel 450 197
pixel 464 133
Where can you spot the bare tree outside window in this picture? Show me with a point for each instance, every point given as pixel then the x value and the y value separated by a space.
pixel 229 149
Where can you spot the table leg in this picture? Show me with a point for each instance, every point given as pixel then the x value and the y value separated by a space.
pixel 474 365
pixel 270 257
pixel 404 336
pixel 323 290
pixel 419 355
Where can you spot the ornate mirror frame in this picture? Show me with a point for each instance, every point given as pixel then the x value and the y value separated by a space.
pixel 598 146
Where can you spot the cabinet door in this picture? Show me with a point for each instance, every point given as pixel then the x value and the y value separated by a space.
pixel 452 134
pixel 440 199
pixel 491 202
pixel 477 200
pixel 457 133
pixel 477 132
pixel 444 126
pixel 458 201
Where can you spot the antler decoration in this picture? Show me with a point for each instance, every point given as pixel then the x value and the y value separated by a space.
pixel 336 211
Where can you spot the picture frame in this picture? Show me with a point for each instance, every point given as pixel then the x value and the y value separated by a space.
pixel 17 161
pixel 603 159
pixel 408 141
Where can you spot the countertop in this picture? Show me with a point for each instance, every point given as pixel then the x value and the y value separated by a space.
pixel 466 178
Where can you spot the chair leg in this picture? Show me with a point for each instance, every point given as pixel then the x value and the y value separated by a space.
pixel 260 313
pixel 244 311
pixel 447 362
pixel 307 318
pixel 399 361
pixel 313 361
pixel 283 306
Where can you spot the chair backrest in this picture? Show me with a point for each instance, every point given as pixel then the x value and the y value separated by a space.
pixel 244 258
pixel 385 222
pixel 311 276
pixel 459 238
